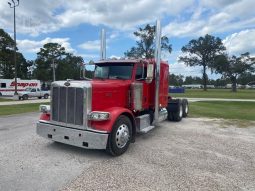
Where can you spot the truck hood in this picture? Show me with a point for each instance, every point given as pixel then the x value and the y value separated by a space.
pixel 110 93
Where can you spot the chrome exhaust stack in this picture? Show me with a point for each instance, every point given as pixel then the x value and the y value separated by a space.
pixel 157 70
pixel 103 45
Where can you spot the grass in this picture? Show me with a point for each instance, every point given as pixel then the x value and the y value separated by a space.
pixel 217 93
pixel 225 110
pixel 2 100
pixel 17 109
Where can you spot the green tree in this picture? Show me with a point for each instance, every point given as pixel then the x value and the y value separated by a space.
pixel 48 57
pixel 245 78
pixel 145 47
pixel 233 67
pixel 70 68
pixel 175 80
pixel 67 66
pixel 193 80
pixel 7 58
pixel 202 52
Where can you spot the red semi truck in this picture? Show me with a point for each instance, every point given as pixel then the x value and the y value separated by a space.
pixel 125 97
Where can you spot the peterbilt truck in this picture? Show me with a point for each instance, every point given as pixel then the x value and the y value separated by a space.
pixel 125 97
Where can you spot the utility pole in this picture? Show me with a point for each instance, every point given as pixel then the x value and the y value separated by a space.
pixel 53 67
pixel 14 5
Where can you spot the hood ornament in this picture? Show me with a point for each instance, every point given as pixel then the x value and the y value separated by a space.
pixel 67 83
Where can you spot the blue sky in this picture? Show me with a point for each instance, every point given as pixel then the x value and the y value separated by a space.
pixel 76 25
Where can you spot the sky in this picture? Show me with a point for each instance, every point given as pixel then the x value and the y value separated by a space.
pixel 76 25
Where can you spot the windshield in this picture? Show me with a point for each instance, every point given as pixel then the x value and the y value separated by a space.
pixel 114 71
pixel 28 89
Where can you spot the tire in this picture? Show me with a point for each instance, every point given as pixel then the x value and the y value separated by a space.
pixel 119 139
pixel 25 97
pixel 175 110
pixel 39 97
pixel 46 96
pixel 1 94
pixel 177 116
pixel 185 108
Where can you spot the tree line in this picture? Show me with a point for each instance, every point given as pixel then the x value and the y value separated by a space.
pixel 179 80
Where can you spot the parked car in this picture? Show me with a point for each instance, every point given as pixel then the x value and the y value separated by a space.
pixel 33 92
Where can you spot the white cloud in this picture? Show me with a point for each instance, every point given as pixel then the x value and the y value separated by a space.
pixel 241 42
pixel 36 17
pixel 32 46
pixel 90 45
pixel 213 17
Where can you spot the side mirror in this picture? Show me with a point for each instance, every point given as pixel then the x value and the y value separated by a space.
pixel 150 72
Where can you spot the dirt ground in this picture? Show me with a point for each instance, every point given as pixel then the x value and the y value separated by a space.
pixel 194 154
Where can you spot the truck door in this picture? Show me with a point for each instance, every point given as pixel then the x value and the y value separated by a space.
pixel 32 93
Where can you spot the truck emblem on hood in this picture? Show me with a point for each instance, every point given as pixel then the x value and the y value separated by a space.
pixel 67 83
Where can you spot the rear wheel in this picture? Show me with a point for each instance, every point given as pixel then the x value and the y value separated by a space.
pixel 119 139
pixel 185 107
pixel 39 97
pixel 0 94
pixel 175 110
pixel 25 97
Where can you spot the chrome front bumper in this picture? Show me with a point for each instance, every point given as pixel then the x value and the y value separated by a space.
pixel 75 137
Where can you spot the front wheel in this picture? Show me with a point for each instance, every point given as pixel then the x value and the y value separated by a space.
pixel 119 139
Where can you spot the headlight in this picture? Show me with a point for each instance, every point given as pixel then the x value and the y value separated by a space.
pixel 99 116
pixel 44 108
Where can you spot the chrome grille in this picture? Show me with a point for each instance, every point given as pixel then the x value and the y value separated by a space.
pixel 68 105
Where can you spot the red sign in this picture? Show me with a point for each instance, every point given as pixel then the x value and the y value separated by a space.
pixel 24 84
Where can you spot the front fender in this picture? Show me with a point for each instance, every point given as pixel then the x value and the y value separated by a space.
pixel 115 112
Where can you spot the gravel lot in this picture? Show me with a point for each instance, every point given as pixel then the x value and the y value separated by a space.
pixel 195 154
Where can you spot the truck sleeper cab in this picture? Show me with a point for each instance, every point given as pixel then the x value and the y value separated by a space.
pixel 108 111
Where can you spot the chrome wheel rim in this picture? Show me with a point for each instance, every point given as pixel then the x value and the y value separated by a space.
pixel 122 136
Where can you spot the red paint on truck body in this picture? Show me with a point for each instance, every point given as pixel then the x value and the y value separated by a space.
pixel 114 96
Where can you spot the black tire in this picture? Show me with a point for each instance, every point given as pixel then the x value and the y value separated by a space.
pixel 177 116
pixel 39 97
pixel 46 96
pixel 25 97
pixel 175 111
pixel 1 94
pixel 115 147
pixel 185 108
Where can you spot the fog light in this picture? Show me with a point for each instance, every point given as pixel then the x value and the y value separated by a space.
pixel 99 116
pixel 44 108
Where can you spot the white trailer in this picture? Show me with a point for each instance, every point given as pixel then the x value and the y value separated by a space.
pixel 7 86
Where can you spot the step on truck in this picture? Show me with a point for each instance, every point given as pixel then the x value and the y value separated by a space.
pixel 125 97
